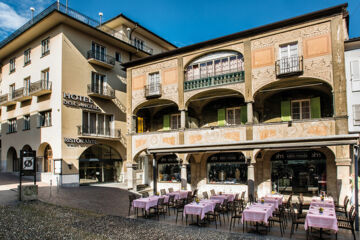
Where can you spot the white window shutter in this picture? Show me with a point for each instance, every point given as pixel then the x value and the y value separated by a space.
pixel 356 114
pixel 355 70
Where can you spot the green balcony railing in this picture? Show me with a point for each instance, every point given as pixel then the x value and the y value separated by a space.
pixel 223 79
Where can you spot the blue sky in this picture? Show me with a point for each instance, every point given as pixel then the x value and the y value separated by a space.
pixel 183 22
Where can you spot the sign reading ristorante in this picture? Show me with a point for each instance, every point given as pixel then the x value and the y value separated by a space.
pixel 73 100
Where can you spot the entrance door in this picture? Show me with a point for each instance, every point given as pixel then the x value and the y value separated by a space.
pixel 48 157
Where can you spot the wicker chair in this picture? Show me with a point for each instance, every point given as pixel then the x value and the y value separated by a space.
pixel 171 190
pixel 215 215
pixel 279 218
pixel 145 194
pixel 212 192
pixel 343 209
pixel 179 206
pixel 160 208
pixel 236 213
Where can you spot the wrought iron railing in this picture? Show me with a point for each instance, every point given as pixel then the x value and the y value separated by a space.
pixel 21 92
pixel 57 6
pixel 4 98
pixel 101 90
pixel 142 46
pixel 153 90
pixel 40 85
pixel 224 79
pixel 109 132
pixel 289 66
pixel 101 57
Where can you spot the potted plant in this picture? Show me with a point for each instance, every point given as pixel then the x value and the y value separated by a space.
pixel 197 200
pixel 262 201
pixel 321 210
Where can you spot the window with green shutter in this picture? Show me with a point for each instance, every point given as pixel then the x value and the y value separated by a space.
pixel 244 114
pixel 315 107
pixel 285 111
pixel 221 117
pixel 166 122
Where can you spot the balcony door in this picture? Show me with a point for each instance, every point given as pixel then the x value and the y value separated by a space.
pixel 99 52
pixel 97 83
pixel 289 59
pixel 154 83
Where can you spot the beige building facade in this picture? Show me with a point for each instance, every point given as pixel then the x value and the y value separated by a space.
pixel 211 115
pixel 63 94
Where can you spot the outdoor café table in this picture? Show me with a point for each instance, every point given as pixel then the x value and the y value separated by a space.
pixel 258 212
pixel 325 220
pixel 199 209
pixel 275 199
pixel 328 202
pixel 179 194
pixel 147 203
pixel 222 197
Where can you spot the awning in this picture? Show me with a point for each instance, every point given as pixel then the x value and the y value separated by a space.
pixel 286 143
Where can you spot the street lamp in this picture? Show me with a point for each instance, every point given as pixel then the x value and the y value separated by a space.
pixel 32 14
pixel 100 14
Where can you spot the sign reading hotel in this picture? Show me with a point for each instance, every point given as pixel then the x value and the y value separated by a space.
pixel 73 100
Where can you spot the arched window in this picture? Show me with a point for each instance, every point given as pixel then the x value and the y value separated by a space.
pixel 169 169
pixel 214 64
pixel 227 168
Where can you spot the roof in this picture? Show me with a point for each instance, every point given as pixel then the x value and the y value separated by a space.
pixel 353 40
pixel 121 15
pixel 339 9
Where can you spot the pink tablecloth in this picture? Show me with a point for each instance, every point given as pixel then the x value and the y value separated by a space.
pixel 328 202
pixel 199 209
pixel 229 197
pixel 149 202
pixel 179 194
pixel 274 199
pixel 258 212
pixel 325 220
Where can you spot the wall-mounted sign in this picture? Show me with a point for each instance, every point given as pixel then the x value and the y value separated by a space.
pixel 57 166
pixel 79 141
pixel 77 101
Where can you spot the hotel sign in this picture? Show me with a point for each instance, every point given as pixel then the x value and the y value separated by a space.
pixel 77 101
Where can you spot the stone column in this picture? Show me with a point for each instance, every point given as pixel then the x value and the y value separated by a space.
pixel 146 170
pixel 130 176
pixel 343 178
pixel 183 176
pixel 183 119
pixel 250 114
pixel 251 178
pixel 154 174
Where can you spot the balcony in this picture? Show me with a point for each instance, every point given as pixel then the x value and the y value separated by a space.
pixel 21 94
pixel 103 60
pixel 105 92
pixel 142 47
pixel 287 67
pixel 96 133
pixel 40 88
pixel 212 81
pixel 7 100
pixel 153 90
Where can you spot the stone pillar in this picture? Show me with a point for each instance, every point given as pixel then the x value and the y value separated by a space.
pixel 250 114
pixel 146 170
pixel 183 119
pixel 183 176
pixel 130 176
pixel 251 179
pixel 154 174
pixel 343 178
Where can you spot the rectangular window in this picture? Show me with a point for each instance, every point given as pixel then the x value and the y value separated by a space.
pixel 118 57
pixel 45 47
pixel 45 75
pixel 355 75
pixel 175 122
pixel 233 116
pixel 139 43
pixel 12 125
pixel 356 114
pixel 300 109
pixel 12 91
pixel 97 124
pixel 98 83
pixel 27 86
pixel 289 60
pixel 26 122
pixel 99 51
pixel 154 83
pixel 27 59
pixel 12 65
pixel 45 119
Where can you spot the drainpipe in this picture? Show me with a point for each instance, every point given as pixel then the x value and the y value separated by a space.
pixel 356 155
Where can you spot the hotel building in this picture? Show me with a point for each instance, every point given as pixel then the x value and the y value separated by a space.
pixel 63 93
pixel 259 110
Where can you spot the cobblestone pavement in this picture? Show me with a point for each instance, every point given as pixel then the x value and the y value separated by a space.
pixel 38 220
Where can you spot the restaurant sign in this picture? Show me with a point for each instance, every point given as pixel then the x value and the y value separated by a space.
pixel 79 141
pixel 77 101
pixel 298 155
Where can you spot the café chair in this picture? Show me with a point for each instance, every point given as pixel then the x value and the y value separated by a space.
pixel 162 192
pixel 349 224
pixel 205 195
pixel 171 190
pixel 212 192
pixel 214 215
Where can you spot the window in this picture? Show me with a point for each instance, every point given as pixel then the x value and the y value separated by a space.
pixel 26 122
pixel 27 86
pixel 27 59
pixel 99 51
pixel 97 124
pixel 98 83
pixel 12 65
pixel 289 60
pixel 154 83
pixel 44 119
pixel 45 76
pixel 227 168
pixel 355 75
pixel 169 169
pixel 233 116
pixel 118 57
pixel 356 114
pixel 45 50
pixel 12 91
pixel 300 109
pixel 12 125
pixel 175 121
pixel 139 43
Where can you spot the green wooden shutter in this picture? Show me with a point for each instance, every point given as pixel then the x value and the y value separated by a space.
pixel 221 117
pixel 140 124
pixel 166 122
pixel 244 114
pixel 315 107
pixel 285 111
